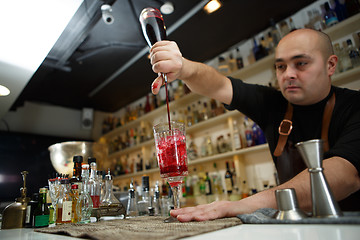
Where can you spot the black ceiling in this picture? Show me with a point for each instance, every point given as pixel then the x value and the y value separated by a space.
pixel 102 49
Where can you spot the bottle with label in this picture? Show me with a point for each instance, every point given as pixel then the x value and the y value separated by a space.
pixel 131 210
pixel 229 183
pixel 64 206
pixel 330 17
pixel 94 184
pixel 248 132
pixel 76 178
pixel 85 201
pixel 29 217
pixel 41 212
pixel 144 203
pixel 208 185
pixel 75 203
pixel 216 179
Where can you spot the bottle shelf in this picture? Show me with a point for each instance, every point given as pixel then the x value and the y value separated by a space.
pixel 244 151
pixel 346 77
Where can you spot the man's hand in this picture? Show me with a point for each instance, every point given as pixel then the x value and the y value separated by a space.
pixel 166 58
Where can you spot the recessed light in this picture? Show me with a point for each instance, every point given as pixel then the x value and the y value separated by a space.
pixel 4 91
pixel 212 6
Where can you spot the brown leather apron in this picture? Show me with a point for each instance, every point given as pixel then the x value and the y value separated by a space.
pixel 289 162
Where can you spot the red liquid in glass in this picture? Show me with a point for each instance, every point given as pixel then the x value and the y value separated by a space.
pixel 172 156
pixel 96 201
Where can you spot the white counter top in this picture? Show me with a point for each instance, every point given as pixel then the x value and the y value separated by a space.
pixel 243 232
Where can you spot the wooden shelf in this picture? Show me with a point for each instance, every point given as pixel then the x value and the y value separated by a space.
pixel 259 148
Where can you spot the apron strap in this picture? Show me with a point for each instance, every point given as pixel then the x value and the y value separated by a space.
pixel 286 126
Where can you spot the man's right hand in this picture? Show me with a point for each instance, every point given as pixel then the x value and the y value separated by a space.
pixel 165 58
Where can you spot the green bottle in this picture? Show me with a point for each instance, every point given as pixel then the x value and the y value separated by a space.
pixel 41 212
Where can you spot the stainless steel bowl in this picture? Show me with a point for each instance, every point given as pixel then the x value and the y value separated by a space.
pixel 61 154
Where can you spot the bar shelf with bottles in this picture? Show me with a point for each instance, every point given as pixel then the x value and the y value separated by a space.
pixel 335 32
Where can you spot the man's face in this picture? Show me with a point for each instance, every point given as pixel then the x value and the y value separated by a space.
pixel 301 69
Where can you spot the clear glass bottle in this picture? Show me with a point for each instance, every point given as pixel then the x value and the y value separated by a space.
pixel 144 203
pixel 75 200
pixel 85 202
pixel 131 210
pixel 64 206
pixel 156 203
pixel 109 199
pixel 94 184
pixel 237 136
pixel 345 58
pixel 353 54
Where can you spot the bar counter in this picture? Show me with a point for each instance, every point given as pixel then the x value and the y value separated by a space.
pixel 243 231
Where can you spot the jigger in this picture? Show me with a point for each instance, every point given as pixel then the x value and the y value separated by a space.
pixel 323 201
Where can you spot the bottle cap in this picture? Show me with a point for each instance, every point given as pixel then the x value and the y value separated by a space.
pixel 91 160
pixel 77 159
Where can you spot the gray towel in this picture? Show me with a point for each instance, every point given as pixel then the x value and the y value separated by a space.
pixel 266 216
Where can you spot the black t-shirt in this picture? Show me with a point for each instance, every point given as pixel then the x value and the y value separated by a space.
pixel 266 106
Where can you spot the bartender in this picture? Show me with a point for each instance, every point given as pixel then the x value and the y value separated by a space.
pixel 306 107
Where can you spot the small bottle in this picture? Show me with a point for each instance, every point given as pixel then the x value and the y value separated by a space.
pixel 223 67
pixel 75 203
pixel 64 206
pixel 345 58
pixel 109 199
pixel 131 210
pixel 239 59
pixel 237 136
pixel 76 178
pixel 232 63
pixel 156 203
pixel 229 183
pixel 85 202
pixel 41 212
pixel 208 187
pixel 29 217
pixel 274 32
pixel 94 183
pixel 248 132
pixel 144 203
pixel 330 17
pixel 353 54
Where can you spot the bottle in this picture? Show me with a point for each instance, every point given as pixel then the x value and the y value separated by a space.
pixel 239 59
pixel 85 202
pixel 147 105
pixel 229 183
pixel 76 178
pixel 345 58
pixel 29 217
pixel 156 203
pixel 209 147
pixel 189 118
pixel 131 210
pixel 330 17
pixel 223 67
pixel 64 206
pixel 208 187
pixel 75 203
pixel 94 183
pixel 232 63
pixel 41 212
pixel 353 54
pixel 248 132
pixel 274 32
pixel 216 179
pixel 339 66
pixel 237 136
pixel 144 203
pixel 109 199
pixel 340 10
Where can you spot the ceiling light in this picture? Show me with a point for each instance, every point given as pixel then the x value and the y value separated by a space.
pixel 167 8
pixel 212 6
pixel 4 91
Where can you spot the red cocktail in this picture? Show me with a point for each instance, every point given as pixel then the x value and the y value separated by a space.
pixel 170 145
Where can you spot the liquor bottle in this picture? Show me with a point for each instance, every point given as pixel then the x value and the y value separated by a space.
pixel 109 198
pixel 339 66
pixel 223 67
pixel 229 183
pixel 64 206
pixel 29 217
pixel 76 178
pixel 237 136
pixel 330 17
pixel 85 202
pixel 216 179
pixel 248 132
pixel 239 59
pixel 340 10
pixel 209 147
pixel 156 203
pixel 41 212
pixel 147 105
pixel 189 118
pixel 131 210
pixel 208 187
pixel 94 184
pixel 75 203
pixel 195 183
pixel 232 63
pixel 274 32
pixel 345 58
pixel 144 203
pixel 353 54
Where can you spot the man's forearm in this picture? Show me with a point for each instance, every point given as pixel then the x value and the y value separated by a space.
pixel 207 81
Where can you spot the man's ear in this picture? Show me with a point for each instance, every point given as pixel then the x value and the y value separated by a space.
pixel 331 64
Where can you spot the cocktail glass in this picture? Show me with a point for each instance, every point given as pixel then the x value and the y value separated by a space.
pixel 170 145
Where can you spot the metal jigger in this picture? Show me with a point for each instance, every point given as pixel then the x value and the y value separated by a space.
pixel 323 201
